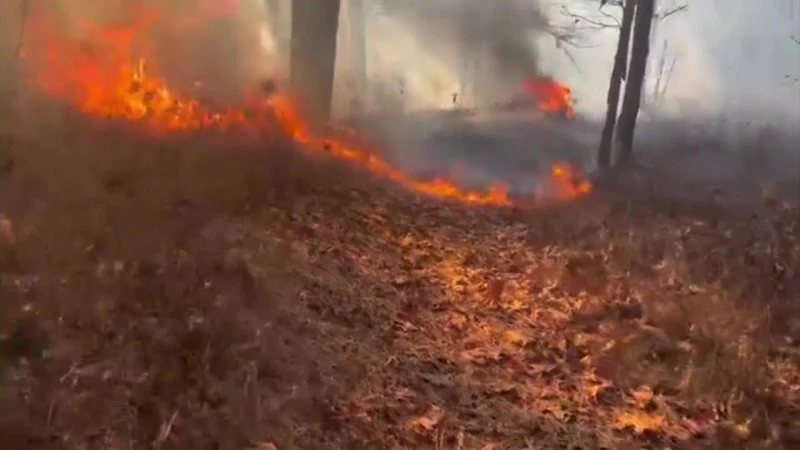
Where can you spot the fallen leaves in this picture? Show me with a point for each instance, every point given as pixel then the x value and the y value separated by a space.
pixel 515 337
pixel 7 235
pixel 457 321
pixel 639 421
pixel 428 421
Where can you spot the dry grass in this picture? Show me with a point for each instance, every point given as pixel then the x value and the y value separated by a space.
pixel 187 293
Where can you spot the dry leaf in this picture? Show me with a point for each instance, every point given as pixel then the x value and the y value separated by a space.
pixel 429 421
pixel 741 430
pixel 639 420
pixel 642 395
pixel 515 337
pixel 495 290
pixel 7 235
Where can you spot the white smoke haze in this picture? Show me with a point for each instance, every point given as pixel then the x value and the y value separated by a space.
pixel 745 67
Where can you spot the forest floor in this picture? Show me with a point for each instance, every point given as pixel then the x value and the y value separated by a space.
pixel 166 294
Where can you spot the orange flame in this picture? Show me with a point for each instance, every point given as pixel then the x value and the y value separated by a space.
pixel 564 183
pixel 106 79
pixel 551 95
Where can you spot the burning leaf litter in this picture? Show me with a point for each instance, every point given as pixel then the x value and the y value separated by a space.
pixel 365 320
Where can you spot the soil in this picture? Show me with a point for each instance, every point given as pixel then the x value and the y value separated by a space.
pixel 202 292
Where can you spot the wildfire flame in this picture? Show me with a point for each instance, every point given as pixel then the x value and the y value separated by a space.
pixel 550 95
pixel 102 77
pixel 564 183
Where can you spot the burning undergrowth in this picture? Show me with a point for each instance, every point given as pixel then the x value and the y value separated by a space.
pixel 108 73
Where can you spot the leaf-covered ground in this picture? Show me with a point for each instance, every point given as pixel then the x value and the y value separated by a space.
pixel 169 299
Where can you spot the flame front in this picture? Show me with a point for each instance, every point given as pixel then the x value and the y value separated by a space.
pixel 101 76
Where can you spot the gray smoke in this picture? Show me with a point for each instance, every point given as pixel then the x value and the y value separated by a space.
pixel 492 41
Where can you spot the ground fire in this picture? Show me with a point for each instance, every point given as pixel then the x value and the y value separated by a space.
pixel 550 95
pixel 110 74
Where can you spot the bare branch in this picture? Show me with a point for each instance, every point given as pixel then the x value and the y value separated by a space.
pixel 609 16
pixel 594 24
pixel 609 21
pixel 795 39
pixel 571 58
pixel 665 15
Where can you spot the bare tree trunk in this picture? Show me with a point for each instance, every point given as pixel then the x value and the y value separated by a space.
pixel 617 75
pixel 315 24
pixel 640 50
pixel 272 7
pixel 359 47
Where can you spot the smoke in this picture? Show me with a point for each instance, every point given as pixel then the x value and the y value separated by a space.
pixel 743 68
pixel 719 75
pixel 477 49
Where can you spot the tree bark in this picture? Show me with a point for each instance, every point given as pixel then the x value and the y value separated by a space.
pixel 640 50
pixel 315 24
pixel 617 75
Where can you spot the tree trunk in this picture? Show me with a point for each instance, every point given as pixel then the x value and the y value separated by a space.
pixel 636 73
pixel 315 24
pixel 359 50
pixel 617 75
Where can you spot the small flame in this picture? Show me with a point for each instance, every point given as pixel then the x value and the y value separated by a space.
pixel 551 95
pixel 564 183
pixel 104 78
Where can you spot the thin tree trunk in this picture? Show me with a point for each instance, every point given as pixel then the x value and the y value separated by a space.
pixel 640 50
pixel 617 75
pixel 315 25
pixel 359 49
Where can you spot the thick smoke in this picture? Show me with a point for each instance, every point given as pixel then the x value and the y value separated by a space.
pixel 487 47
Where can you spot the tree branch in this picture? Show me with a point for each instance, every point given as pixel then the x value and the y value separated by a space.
pixel 595 24
pixel 677 9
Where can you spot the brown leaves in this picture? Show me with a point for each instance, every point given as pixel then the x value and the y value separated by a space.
pixel 428 421
pixel 495 289
pixel 9 258
pixel 515 337
pixel 265 446
pixel 7 235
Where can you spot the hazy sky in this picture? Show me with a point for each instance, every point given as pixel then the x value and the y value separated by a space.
pixel 733 56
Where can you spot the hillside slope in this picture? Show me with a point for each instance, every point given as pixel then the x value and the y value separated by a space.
pixel 168 294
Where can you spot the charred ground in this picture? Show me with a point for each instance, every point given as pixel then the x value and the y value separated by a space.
pixel 186 293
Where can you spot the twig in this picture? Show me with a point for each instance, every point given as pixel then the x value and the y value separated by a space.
pixel 597 25
pixel 572 59
pixel 665 15
pixel 166 429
